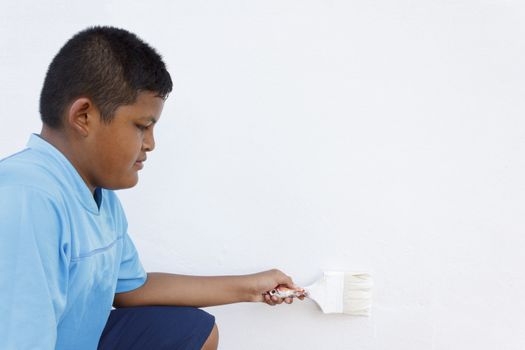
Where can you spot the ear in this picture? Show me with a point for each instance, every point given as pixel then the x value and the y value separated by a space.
pixel 81 116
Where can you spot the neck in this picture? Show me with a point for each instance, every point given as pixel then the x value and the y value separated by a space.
pixel 61 141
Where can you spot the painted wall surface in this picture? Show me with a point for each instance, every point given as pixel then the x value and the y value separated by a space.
pixel 313 135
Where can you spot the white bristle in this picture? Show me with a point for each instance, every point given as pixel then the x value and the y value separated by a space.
pixel 357 294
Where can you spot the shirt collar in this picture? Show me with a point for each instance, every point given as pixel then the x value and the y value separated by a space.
pixel 66 172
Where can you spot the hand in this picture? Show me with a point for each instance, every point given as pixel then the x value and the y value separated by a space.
pixel 265 281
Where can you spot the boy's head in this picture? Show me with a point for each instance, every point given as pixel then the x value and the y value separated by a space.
pixel 102 95
pixel 108 65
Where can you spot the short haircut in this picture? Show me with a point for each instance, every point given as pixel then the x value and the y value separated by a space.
pixel 106 64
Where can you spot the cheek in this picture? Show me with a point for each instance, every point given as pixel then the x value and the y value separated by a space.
pixel 120 154
pixel 129 146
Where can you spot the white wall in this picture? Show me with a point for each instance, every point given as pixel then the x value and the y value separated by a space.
pixel 311 135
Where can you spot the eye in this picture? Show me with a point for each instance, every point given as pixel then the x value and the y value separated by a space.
pixel 141 127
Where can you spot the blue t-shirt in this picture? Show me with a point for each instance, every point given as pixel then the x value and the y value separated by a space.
pixel 64 253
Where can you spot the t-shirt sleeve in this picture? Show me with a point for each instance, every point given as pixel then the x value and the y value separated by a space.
pixel 131 273
pixel 34 265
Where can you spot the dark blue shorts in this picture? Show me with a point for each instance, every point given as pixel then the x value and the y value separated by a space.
pixel 156 327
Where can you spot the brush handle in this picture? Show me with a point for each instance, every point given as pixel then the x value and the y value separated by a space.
pixel 284 292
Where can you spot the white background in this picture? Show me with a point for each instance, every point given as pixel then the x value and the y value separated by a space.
pixel 314 135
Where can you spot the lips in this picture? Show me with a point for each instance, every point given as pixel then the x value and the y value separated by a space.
pixel 140 163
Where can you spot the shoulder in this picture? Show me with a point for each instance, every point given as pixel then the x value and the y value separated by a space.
pixel 26 171
pixel 31 210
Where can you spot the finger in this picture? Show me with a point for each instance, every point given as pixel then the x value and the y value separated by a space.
pixel 288 300
pixel 268 300
pixel 289 282
pixel 284 279
pixel 277 300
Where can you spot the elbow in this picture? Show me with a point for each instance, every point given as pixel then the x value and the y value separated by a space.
pixel 128 299
pixel 119 301
pixel 134 297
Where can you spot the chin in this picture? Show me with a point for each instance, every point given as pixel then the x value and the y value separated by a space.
pixel 132 182
pixel 123 184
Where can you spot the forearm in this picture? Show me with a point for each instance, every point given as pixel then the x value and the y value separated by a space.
pixel 182 290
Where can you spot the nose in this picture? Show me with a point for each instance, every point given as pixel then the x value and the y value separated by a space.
pixel 148 143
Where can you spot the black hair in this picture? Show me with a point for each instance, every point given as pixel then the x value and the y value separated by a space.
pixel 106 64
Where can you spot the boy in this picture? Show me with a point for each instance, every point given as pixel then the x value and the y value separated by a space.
pixel 65 255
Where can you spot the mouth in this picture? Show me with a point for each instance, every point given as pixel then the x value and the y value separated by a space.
pixel 140 163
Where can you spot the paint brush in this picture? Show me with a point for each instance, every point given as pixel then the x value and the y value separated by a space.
pixel 336 292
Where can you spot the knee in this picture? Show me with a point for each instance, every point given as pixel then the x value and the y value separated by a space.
pixel 213 339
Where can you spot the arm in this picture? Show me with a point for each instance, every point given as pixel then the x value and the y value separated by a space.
pixel 33 270
pixel 182 290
